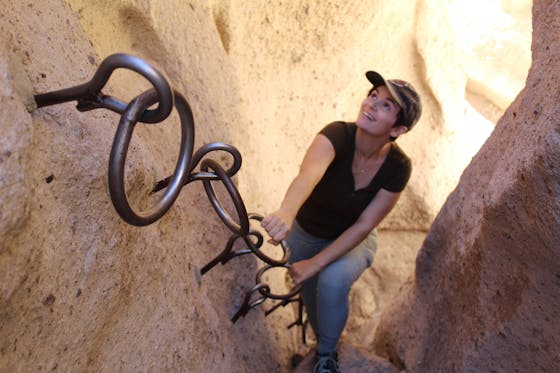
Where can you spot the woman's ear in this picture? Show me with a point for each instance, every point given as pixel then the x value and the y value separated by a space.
pixel 398 130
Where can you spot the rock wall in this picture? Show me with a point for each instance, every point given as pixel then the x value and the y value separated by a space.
pixel 82 290
pixel 484 295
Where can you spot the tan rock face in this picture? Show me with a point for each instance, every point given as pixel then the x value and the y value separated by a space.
pixel 82 290
pixel 484 296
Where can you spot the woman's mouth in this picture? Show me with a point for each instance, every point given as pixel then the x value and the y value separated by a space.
pixel 368 115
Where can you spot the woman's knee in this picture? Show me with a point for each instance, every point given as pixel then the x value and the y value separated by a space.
pixel 342 273
pixel 368 248
pixel 334 279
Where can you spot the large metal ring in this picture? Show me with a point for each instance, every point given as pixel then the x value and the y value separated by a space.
pixel 89 94
pixel 266 291
pixel 241 228
pixel 119 150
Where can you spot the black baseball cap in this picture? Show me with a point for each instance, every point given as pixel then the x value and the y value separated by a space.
pixel 403 93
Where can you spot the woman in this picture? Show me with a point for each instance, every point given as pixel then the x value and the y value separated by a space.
pixel 350 178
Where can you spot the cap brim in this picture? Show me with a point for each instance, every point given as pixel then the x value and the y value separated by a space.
pixel 377 80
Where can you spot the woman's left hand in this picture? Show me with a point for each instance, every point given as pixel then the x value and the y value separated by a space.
pixel 303 270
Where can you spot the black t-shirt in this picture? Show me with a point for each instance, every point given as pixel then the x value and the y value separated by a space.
pixel 334 205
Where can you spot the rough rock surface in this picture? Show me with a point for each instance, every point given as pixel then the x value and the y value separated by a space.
pixel 81 290
pixel 485 293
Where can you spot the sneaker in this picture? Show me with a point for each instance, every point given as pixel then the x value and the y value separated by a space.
pixel 326 363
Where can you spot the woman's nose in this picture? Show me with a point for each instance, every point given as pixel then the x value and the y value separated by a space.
pixel 375 105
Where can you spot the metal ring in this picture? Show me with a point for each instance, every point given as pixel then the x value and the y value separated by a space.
pixel 89 94
pixel 241 228
pixel 267 293
pixel 260 254
pixel 198 155
pixel 215 146
pixel 228 253
pixel 120 148
pixel 248 304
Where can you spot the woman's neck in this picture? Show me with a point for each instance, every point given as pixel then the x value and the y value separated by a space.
pixel 368 146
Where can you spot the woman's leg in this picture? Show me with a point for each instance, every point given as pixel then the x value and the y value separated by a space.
pixel 332 290
pixel 304 246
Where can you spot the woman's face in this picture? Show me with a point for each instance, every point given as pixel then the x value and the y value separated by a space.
pixel 378 112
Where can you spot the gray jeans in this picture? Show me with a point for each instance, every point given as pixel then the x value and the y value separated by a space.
pixel 326 294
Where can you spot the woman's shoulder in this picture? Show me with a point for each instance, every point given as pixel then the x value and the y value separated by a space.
pixel 339 129
pixel 397 170
pixel 341 134
pixel 338 124
pixel 397 155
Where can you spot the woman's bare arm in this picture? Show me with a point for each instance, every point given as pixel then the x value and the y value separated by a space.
pixel 317 159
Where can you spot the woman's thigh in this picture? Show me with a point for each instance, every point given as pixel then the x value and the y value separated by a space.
pixel 343 272
pixel 303 245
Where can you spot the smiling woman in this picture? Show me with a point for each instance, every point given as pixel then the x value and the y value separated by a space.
pixel 351 177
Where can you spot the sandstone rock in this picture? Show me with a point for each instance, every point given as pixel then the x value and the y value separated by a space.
pixel 484 293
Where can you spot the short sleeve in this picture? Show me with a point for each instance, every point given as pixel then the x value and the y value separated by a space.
pixel 399 173
pixel 337 133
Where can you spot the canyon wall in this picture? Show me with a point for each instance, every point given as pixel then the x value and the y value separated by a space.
pixel 81 290
pixel 484 295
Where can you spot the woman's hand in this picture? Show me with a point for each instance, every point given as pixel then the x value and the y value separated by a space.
pixel 303 270
pixel 277 225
